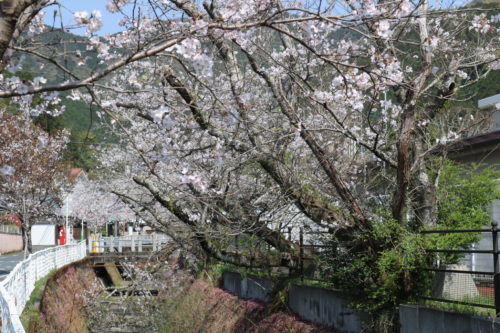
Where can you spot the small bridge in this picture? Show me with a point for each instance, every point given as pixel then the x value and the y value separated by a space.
pixel 127 244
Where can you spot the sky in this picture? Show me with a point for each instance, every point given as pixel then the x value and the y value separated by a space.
pixel 110 20
pixel 68 7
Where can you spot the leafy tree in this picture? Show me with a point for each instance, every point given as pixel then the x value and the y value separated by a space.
pixel 49 123
pixel 380 283
pixel 30 173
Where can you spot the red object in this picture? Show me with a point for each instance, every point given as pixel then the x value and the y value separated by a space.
pixel 486 291
pixel 62 236
pixel 12 219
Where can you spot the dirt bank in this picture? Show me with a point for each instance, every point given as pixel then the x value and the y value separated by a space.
pixel 204 308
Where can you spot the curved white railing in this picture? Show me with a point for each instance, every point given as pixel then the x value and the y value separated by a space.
pixel 16 289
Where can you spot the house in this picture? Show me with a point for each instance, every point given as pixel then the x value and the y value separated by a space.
pixel 485 149
pixel 76 175
pixel 10 233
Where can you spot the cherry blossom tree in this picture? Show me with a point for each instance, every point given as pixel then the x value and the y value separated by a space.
pixel 297 59
pixel 94 204
pixel 345 104
pixel 30 172
pixel 234 113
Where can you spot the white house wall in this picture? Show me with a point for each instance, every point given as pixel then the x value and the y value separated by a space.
pixel 43 234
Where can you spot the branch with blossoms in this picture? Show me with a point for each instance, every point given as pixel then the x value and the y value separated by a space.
pixel 236 118
pixel 31 174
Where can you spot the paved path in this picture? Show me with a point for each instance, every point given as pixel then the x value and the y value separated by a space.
pixel 9 261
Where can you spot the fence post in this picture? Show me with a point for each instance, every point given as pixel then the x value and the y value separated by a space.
pixel 301 254
pixel 280 226
pixel 237 248
pixel 496 277
pixel 290 270
pixel 54 256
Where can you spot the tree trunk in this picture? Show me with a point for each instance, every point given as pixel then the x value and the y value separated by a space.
pixel 13 22
pixel 425 201
pixel 28 237
pixel 27 245
pixel 8 22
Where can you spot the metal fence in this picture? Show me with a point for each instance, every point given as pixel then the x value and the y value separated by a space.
pixel 462 283
pixel 311 246
pixel 135 243
pixel 16 289
pixel 10 229
pixel 466 282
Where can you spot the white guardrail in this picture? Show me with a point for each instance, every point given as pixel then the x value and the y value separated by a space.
pixel 135 243
pixel 16 289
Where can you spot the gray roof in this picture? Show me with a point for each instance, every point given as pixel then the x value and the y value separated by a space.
pixel 470 143
pixel 489 101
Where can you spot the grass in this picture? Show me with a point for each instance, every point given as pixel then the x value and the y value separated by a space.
pixel 31 315
pixel 466 309
pixel 215 271
pixel 314 283
pixel 204 308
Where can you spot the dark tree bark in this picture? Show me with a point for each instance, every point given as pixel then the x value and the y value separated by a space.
pixel 27 244
pixel 13 20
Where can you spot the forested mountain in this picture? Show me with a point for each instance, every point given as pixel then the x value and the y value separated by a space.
pixel 69 50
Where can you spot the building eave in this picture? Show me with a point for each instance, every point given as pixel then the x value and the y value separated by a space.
pixel 471 143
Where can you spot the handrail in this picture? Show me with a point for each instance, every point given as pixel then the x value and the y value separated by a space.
pixel 16 289
pixel 135 243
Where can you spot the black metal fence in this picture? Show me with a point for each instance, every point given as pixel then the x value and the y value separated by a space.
pixel 309 250
pixel 460 284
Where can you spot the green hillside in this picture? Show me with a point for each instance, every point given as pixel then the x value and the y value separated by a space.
pixel 87 130
pixel 65 48
pixel 484 3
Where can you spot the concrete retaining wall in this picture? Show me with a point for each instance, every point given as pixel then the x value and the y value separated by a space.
pixel 318 305
pixel 325 307
pixel 10 243
pixel 255 287
pixel 420 319
pixel 329 308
